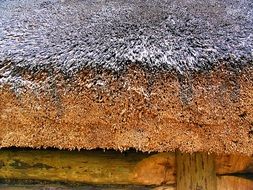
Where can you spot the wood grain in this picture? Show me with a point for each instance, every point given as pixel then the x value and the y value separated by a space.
pixel 111 167
pixel 94 167
pixel 226 164
pixel 234 183
pixel 195 171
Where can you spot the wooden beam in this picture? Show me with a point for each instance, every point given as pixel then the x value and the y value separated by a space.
pixel 111 167
pixel 93 167
pixel 223 183
pixel 195 171
pixel 229 164
pixel 234 183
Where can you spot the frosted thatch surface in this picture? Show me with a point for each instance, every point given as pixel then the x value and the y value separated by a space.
pixel 180 35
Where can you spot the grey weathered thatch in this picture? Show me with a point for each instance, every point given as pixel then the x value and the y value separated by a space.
pixel 46 45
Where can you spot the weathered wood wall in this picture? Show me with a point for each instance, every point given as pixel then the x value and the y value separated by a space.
pixel 110 167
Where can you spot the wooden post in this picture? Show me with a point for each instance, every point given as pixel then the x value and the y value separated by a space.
pixel 195 171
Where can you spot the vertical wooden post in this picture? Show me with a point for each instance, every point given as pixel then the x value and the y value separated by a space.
pixel 195 171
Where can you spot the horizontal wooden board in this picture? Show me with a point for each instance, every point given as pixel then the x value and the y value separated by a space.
pixel 95 167
pixel 224 183
pixel 234 183
pixel 109 167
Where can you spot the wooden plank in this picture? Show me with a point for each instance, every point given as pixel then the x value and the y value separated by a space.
pixel 98 167
pixel 223 183
pixel 93 167
pixel 195 171
pixel 86 187
pixel 159 167
pixel 165 188
pixel 83 187
pixel 234 183
pixel 227 164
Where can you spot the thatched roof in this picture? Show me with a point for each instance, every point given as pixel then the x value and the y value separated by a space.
pixel 152 75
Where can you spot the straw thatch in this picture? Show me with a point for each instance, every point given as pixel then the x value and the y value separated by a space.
pixel 151 75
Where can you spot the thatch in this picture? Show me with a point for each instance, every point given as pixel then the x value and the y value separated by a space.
pixel 151 75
